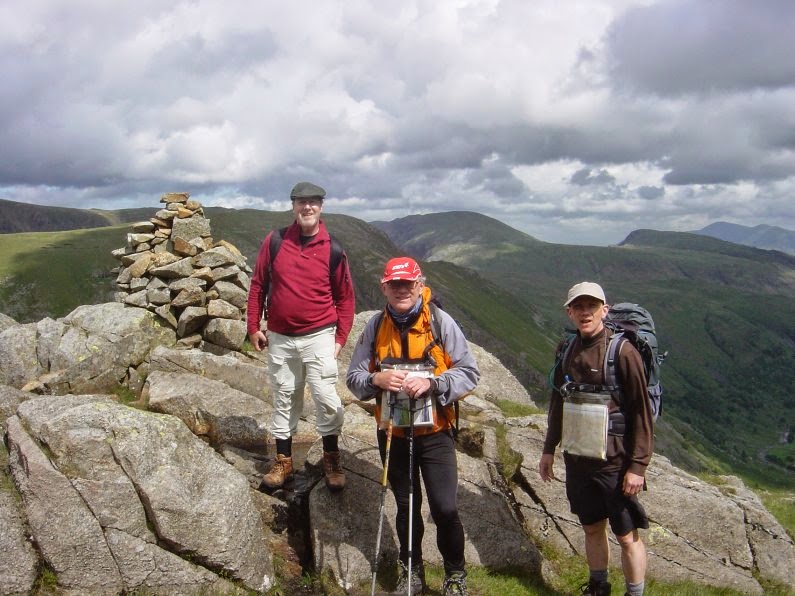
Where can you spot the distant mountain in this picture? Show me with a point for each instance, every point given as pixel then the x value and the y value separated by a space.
pixel 726 312
pixel 25 217
pixel 762 236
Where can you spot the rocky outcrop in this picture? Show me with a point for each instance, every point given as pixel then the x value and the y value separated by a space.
pixel 171 266
pixel 19 563
pixel 116 499
pixel 6 322
pixel 210 408
pixel 92 349
pixel 123 500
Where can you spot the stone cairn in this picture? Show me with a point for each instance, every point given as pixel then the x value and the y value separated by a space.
pixel 171 266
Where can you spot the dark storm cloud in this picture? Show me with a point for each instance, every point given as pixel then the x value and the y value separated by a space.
pixel 692 46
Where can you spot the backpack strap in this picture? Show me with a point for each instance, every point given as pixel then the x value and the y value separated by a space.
pixel 273 247
pixel 378 320
pixel 436 333
pixel 277 236
pixel 612 353
pixel 561 357
pixel 335 257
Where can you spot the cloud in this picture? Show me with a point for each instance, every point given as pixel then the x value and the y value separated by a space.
pixel 553 117
pixel 587 177
pixel 650 193
pixel 693 47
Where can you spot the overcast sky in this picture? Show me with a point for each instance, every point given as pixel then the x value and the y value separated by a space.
pixel 576 122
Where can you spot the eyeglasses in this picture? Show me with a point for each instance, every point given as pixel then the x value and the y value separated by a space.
pixel 400 284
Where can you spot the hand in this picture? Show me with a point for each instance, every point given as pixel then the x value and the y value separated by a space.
pixel 633 484
pixel 416 387
pixel 545 467
pixel 390 379
pixel 337 350
pixel 259 340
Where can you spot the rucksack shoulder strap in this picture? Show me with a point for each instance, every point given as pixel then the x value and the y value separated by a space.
pixel 379 318
pixel 617 341
pixel 336 255
pixel 436 324
pixel 275 244
pixel 561 355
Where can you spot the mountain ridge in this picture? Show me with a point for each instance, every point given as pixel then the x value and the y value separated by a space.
pixel 762 236
pixel 717 305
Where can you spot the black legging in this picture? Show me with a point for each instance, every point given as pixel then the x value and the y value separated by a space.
pixel 434 457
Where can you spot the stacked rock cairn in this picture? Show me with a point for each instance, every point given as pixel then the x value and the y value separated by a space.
pixel 172 266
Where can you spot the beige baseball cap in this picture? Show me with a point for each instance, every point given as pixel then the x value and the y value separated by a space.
pixel 585 288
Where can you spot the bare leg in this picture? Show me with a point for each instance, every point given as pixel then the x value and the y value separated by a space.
pixel 633 557
pixel 596 548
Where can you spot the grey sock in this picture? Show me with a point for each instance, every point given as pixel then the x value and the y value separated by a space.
pixel 597 575
pixel 635 589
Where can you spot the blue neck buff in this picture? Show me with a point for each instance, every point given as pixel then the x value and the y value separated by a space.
pixel 403 318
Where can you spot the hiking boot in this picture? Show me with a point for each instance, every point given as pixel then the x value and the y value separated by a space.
pixel 455 584
pixel 417 579
pixel 335 477
pixel 595 589
pixel 280 472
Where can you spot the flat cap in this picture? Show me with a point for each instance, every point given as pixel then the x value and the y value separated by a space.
pixel 306 190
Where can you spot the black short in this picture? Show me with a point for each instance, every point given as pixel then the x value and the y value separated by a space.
pixel 597 495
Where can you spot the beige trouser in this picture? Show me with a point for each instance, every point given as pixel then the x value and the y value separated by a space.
pixel 294 361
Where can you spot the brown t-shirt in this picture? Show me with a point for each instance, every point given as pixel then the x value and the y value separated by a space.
pixel 585 365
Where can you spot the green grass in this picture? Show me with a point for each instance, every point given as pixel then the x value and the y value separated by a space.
pixel 511 409
pixel 50 273
pixel 570 573
pixel 509 461
pixel 46 583
pixel 125 395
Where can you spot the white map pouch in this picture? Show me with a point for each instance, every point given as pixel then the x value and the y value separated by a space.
pixel 423 406
pixel 585 424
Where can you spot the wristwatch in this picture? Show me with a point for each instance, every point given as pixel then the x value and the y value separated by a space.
pixel 371 381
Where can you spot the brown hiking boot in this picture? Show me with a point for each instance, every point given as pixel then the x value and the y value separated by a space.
pixel 281 471
pixel 335 477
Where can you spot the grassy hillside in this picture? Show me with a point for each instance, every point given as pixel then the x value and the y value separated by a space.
pixel 50 273
pixel 725 312
pixel 24 217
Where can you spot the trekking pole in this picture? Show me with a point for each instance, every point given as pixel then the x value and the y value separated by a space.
pixel 411 487
pixel 383 491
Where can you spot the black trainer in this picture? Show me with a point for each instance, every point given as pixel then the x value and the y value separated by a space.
pixel 593 588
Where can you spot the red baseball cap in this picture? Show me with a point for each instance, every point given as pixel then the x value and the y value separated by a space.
pixel 401 268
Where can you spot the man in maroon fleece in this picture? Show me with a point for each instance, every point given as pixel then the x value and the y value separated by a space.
pixel 309 312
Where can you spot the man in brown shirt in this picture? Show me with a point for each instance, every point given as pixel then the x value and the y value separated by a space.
pixel 598 489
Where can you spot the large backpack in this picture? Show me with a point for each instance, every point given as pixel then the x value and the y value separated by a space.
pixel 633 323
